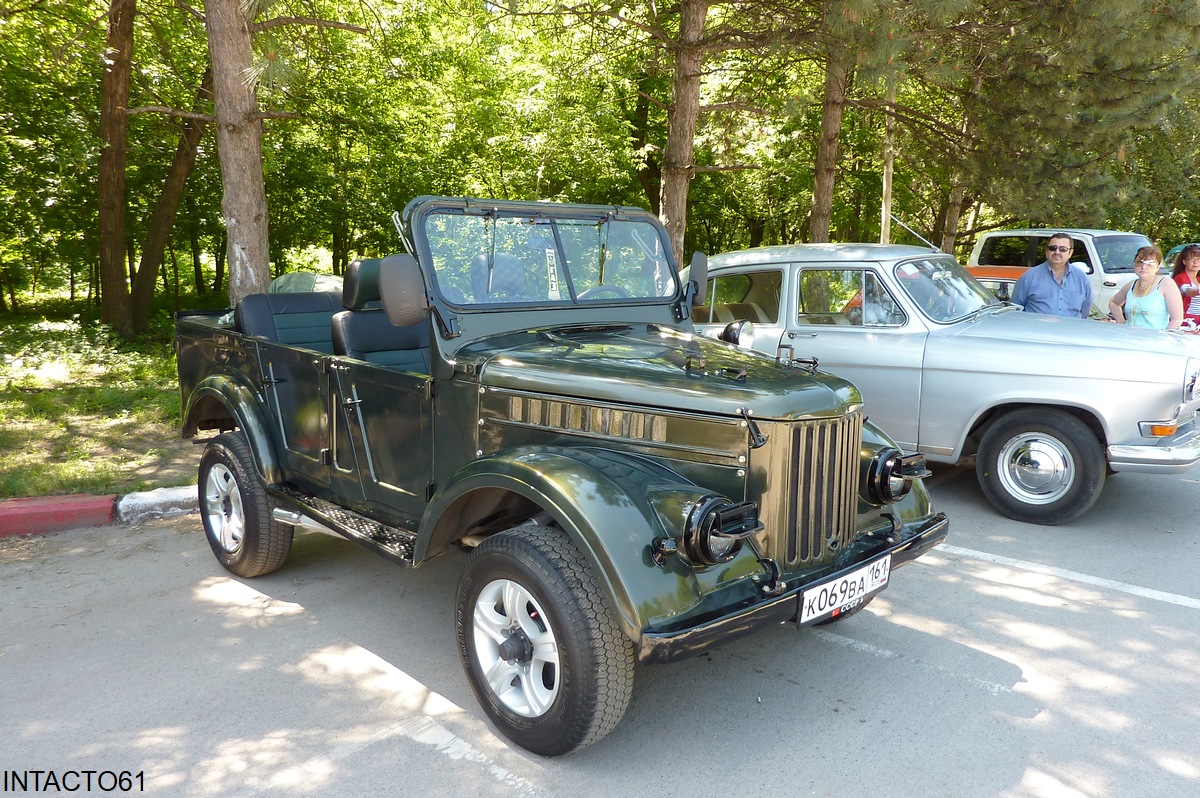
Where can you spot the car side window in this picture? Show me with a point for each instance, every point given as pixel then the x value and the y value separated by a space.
pixel 748 296
pixel 1005 251
pixel 849 297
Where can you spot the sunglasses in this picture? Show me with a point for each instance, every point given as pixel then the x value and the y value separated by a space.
pixel 1147 263
pixel 1058 248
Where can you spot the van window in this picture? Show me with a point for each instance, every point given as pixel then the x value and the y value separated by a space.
pixel 1117 252
pixel 1005 251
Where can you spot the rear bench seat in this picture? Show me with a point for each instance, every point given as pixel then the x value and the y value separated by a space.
pixel 300 319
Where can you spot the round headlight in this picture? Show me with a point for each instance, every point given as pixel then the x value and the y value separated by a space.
pixel 715 529
pixel 891 474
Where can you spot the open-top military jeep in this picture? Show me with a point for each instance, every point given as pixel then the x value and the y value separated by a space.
pixel 526 385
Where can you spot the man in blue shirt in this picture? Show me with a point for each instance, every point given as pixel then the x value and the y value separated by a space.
pixel 1054 287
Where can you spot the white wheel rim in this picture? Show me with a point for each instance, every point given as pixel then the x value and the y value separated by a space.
pixel 516 648
pixel 1036 468
pixel 223 508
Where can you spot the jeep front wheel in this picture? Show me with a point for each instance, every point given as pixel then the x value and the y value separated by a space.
pixel 236 510
pixel 1040 465
pixel 544 656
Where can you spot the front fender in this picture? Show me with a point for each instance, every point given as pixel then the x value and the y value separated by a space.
pixel 603 500
pixel 222 395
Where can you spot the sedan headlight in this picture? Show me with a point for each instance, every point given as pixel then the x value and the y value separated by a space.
pixel 891 474
pixel 1191 381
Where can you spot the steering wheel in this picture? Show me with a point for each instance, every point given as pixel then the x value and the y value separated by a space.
pixel 600 290
pixel 942 307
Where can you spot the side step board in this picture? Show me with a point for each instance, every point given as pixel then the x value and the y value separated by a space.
pixel 320 515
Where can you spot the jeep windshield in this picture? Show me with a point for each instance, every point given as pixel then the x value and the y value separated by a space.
pixel 483 258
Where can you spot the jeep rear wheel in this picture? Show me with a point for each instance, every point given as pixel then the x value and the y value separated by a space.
pixel 236 510
pixel 544 656
pixel 1042 466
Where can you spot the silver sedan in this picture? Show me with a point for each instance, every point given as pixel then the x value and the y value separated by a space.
pixel 1048 407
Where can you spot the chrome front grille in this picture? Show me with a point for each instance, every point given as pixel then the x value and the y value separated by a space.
pixel 821 490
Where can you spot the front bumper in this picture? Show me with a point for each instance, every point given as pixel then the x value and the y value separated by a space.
pixel 662 647
pixel 1169 456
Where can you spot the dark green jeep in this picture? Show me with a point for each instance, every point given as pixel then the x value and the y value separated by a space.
pixel 526 385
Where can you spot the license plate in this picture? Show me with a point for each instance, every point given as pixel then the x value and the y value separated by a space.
pixel 832 598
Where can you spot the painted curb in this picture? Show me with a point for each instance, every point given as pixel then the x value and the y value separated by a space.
pixel 137 508
pixel 55 513
pixel 43 514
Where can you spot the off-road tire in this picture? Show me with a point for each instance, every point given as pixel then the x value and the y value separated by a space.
pixel 533 578
pixel 236 510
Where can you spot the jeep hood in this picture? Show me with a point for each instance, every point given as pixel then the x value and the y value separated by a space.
pixel 653 366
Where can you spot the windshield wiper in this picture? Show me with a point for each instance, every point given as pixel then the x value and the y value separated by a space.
pixel 998 307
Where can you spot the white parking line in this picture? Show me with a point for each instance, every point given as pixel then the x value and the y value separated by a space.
pixel 992 688
pixel 420 729
pixel 1074 576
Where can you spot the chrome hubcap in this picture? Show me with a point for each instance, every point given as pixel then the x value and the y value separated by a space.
pixel 1036 469
pixel 223 508
pixel 516 648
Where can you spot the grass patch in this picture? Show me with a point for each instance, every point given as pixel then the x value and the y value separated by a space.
pixel 83 411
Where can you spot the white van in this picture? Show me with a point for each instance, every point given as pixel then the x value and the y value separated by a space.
pixel 1106 255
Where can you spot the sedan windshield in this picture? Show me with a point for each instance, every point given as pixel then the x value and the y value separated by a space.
pixel 490 258
pixel 942 289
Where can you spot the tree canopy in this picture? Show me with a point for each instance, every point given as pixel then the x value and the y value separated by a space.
pixel 742 124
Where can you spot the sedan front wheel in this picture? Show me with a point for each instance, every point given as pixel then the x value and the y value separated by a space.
pixel 1041 466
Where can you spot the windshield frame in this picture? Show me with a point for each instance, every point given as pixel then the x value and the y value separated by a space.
pixel 487 256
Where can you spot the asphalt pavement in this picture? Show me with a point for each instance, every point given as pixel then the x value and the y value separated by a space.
pixel 1015 661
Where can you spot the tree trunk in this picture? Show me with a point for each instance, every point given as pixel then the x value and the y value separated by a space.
pixel 194 245
pixel 678 166
pixel 889 164
pixel 239 146
pixel 159 231
pixel 114 102
pixel 825 166
pixel 219 276
pixel 6 275
pixel 958 187
pixel 650 172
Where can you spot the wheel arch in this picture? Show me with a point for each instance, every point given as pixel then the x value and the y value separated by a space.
pixel 597 498
pixel 223 403
pixel 989 416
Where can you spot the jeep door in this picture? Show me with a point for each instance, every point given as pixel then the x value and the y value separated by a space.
pixel 383 439
pixel 297 391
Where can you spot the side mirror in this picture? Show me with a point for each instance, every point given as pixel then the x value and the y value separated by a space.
pixel 738 333
pixel 695 279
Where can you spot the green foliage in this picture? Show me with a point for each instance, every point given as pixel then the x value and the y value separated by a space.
pixel 82 411
pixel 1064 112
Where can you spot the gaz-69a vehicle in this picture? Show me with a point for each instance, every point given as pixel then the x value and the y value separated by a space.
pixel 1047 406
pixel 531 390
